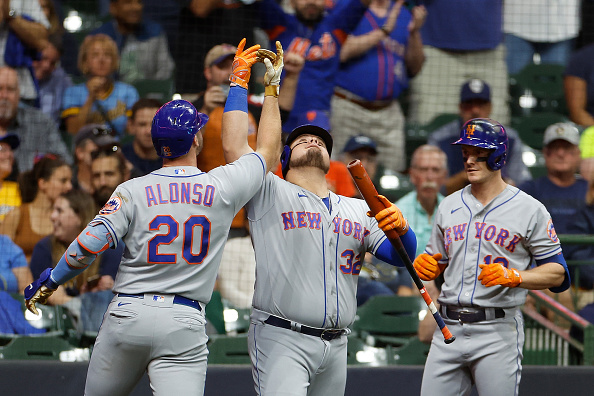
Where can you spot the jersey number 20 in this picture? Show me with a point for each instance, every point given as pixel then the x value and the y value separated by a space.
pixel 154 257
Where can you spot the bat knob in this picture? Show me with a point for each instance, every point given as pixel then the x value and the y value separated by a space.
pixel 450 340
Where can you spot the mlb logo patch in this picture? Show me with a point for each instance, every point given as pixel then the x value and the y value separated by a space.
pixel 113 205
pixel 159 299
pixel 180 171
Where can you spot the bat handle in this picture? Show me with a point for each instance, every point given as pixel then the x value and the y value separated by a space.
pixel 448 337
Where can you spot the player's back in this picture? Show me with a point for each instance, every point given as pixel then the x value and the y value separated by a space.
pixel 174 223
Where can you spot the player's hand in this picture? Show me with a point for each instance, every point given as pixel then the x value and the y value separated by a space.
pixel 242 64
pixel 497 274
pixel 428 267
pixel 38 292
pixel 274 64
pixel 390 218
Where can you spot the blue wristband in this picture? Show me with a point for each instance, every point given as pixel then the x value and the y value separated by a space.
pixel 237 99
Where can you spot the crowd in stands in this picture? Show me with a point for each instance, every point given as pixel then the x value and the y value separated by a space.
pixel 73 124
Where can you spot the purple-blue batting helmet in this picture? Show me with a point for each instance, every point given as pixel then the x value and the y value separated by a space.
pixel 489 134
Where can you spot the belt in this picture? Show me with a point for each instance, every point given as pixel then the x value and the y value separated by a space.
pixel 176 300
pixel 369 105
pixel 471 314
pixel 324 334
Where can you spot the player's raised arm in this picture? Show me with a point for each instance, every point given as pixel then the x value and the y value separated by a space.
pixel 235 118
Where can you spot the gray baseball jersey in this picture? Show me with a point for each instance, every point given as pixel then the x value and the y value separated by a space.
pixel 174 223
pixel 308 257
pixel 512 229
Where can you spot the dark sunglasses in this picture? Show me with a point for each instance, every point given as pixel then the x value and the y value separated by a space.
pixel 106 151
pixel 103 131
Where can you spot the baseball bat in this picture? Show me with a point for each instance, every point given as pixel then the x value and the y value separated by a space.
pixel 369 193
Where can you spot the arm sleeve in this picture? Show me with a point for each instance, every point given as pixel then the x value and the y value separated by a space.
pixel 558 258
pixel 387 253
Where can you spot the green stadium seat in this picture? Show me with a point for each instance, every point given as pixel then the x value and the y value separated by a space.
pixel 214 312
pixel 228 349
pixel 161 90
pixel 537 88
pixel 531 127
pixel 41 348
pixel 413 352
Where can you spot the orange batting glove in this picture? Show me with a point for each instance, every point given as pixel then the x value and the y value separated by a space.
pixel 242 64
pixel 427 266
pixel 497 274
pixel 390 218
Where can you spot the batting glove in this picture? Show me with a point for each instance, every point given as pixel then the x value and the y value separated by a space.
pixel 242 64
pixel 274 67
pixel 390 218
pixel 427 266
pixel 39 291
pixel 497 274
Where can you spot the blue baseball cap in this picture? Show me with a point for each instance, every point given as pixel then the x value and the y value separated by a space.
pixel 360 142
pixel 475 89
pixel 11 139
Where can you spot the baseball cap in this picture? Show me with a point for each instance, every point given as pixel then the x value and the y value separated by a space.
pixel 475 89
pixel 360 142
pixel 313 122
pixel 561 131
pixel 99 134
pixel 219 53
pixel 11 139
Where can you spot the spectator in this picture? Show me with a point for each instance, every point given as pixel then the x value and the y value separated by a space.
pixel 10 196
pixel 202 25
pixel 108 170
pixel 461 38
pixel 14 270
pixel 88 139
pixel 70 214
pixel 338 177
pixel 140 151
pixel 142 44
pixel 23 32
pixel 37 132
pixel 475 102
pixel 52 80
pixel 40 187
pixel 386 48
pixel 60 37
pixel 561 190
pixel 578 81
pixel 376 277
pixel 428 172
pixel 317 36
pixel 544 27
pixel 100 99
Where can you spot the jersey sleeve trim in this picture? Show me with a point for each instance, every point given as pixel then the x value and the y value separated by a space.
pixel 112 232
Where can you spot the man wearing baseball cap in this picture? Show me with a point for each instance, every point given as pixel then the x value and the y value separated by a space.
pixel 475 102
pixel 561 190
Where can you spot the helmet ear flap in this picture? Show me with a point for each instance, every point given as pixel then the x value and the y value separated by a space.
pixel 497 158
pixel 284 159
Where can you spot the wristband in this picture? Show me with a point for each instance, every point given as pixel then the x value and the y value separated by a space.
pixel 385 30
pixel 237 99
pixel 271 90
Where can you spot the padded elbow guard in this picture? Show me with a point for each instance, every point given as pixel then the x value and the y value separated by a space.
pixel 93 240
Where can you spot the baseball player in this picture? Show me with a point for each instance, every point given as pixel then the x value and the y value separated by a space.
pixel 309 245
pixel 174 223
pixel 484 239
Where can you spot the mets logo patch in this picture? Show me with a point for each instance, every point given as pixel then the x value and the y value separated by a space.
pixel 551 231
pixel 113 205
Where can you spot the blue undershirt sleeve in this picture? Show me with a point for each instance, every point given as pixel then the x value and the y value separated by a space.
pixel 387 253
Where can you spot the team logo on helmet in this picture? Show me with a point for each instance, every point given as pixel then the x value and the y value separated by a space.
pixel 113 205
pixel 166 151
pixel 551 231
pixel 470 130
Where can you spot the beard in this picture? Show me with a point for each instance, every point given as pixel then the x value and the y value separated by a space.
pixel 6 112
pixel 102 195
pixel 313 158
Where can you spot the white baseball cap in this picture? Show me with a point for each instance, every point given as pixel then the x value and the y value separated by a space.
pixel 562 131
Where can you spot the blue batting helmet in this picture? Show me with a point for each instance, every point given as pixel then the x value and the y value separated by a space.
pixel 488 134
pixel 174 126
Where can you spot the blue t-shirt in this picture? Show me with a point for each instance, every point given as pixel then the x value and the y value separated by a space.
pixel 116 106
pixel 380 73
pixel 561 202
pixel 581 64
pixel 11 256
pixel 463 25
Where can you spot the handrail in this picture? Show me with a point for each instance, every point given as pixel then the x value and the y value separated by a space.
pixel 576 239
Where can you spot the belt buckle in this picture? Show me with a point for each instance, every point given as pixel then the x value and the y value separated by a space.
pixel 331 334
pixel 462 313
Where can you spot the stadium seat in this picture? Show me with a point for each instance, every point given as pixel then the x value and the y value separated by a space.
pixel 531 127
pixel 388 320
pixel 412 352
pixel 214 312
pixel 161 90
pixel 40 348
pixel 228 349
pixel 537 88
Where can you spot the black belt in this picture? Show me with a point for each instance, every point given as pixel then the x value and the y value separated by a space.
pixel 469 314
pixel 324 334
pixel 176 300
